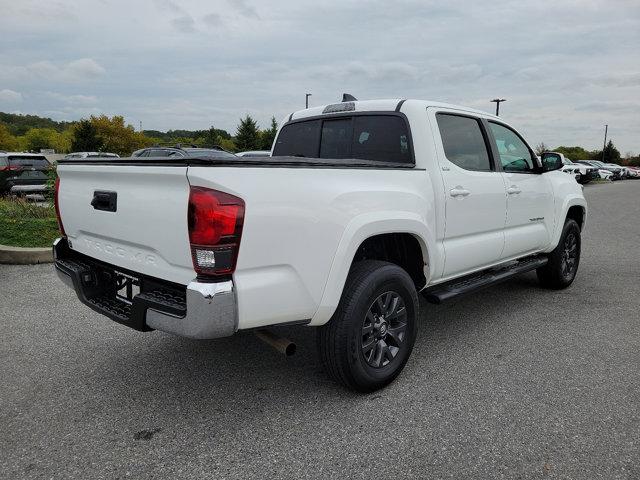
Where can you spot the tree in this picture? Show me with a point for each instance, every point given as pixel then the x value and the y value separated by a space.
pixel 7 141
pixel 247 134
pixel 228 144
pixel 573 153
pixel 85 137
pixel 37 139
pixel 611 153
pixel 116 137
pixel 268 136
pixel 541 148
pixel 211 138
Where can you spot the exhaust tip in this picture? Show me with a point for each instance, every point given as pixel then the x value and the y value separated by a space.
pixel 290 349
pixel 281 344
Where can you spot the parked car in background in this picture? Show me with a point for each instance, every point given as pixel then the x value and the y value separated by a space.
pixel 624 171
pixel 616 170
pixel 582 173
pixel 602 173
pixel 181 152
pixel 22 173
pixel 255 153
pixel 634 172
pixel 91 155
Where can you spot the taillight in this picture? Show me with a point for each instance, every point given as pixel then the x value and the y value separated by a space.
pixel 11 168
pixel 215 227
pixel 56 189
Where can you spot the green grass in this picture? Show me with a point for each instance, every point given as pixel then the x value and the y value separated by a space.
pixel 24 224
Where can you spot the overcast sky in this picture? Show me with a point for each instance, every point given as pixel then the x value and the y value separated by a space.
pixel 566 67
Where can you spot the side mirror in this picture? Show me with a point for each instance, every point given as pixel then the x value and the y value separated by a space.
pixel 551 161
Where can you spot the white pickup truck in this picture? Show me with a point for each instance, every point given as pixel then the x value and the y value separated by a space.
pixel 362 205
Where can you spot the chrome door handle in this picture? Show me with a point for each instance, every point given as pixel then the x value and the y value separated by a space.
pixel 512 190
pixel 459 192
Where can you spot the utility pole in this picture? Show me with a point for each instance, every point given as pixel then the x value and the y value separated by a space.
pixel 306 100
pixel 141 125
pixel 498 101
pixel 604 145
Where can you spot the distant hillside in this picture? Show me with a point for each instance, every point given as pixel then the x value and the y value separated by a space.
pixel 19 124
pixel 176 134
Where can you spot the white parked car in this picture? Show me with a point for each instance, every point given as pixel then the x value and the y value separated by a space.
pixel 363 205
pixel 602 172
pixel 91 155
pixel 255 153
pixel 581 172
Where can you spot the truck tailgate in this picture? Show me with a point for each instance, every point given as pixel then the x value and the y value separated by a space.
pixel 147 232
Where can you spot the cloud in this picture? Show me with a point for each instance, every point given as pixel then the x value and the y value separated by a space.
pixel 566 67
pixel 85 67
pixel 168 5
pixel 10 96
pixel 79 70
pixel 243 8
pixel 618 80
pixel 184 23
pixel 212 19
pixel 73 99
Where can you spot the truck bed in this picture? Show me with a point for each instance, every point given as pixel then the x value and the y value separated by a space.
pixel 261 162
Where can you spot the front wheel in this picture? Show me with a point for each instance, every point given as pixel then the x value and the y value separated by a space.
pixel 367 342
pixel 562 267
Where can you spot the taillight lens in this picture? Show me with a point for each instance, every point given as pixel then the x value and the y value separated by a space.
pixel 56 189
pixel 215 227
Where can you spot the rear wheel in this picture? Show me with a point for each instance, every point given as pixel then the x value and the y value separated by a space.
pixel 369 339
pixel 562 267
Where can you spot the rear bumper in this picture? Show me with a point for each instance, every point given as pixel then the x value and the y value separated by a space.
pixel 199 310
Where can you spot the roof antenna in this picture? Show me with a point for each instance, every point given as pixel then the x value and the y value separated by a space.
pixel 347 97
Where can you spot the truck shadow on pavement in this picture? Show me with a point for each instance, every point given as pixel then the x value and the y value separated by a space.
pixel 231 374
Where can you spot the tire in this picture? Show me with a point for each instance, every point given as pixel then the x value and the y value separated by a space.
pixel 562 267
pixel 370 312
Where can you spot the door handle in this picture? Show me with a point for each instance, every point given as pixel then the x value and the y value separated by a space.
pixel 512 190
pixel 459 192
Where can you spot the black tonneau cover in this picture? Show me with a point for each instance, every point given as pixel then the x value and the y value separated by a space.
pixel 254 162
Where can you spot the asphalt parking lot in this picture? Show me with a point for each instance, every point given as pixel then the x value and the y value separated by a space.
pixel 511 382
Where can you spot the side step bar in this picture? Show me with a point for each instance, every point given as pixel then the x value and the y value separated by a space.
pixel 446 291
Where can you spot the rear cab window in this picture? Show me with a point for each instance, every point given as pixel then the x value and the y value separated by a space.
pixel 24 161
pixel 374 137
pixel 463 142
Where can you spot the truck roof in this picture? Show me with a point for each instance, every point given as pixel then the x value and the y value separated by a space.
pixel 382 105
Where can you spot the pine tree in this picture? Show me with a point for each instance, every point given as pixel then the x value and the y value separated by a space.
pixel 268 136
pixel 611 153
pixel 211 138
pixel 247 134
pixel 85 138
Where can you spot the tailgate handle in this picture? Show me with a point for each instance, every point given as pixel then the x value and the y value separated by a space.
pixel 106 201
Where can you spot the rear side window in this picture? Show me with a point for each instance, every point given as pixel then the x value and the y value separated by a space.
pixel 298 140
pixel 383 138
pixel 28 162
pixel 463 142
